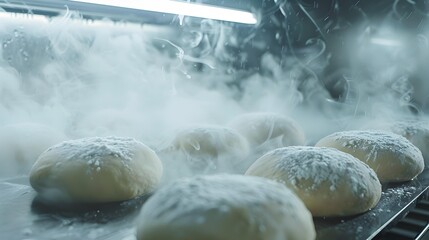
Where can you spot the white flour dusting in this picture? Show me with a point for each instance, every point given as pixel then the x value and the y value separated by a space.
pixel 218 192
pixel 417 132
pixel 408 129
pixel 407 191
pixel 322 165
pixel 94 150
pixel 250 206
pixel 376 141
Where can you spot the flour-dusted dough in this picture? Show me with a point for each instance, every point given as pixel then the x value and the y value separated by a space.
pixel 328 181
pixel 210 146
pixel 96 169
pixel 391 156
pixel 269 129
pixel 22 143
pixel 417 132
pixel 225 207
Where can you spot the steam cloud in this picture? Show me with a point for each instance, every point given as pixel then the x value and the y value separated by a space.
pixel 82 79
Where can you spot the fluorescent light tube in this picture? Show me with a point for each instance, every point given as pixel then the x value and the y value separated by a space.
pixel 23 16
pixel 386 42
pixel 180 8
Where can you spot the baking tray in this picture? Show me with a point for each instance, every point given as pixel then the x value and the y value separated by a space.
pixel 22 216
pixel 396 200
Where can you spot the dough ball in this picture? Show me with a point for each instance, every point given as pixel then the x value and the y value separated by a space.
pixel 224 207
pixel 391 156
pixel 268 129
pixel 22 143
pixel 328 181
pixel 93 170
pixel 417 132
pixel 210 147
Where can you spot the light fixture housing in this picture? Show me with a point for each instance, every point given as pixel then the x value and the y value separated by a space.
pixel 140 11
pixel 180 8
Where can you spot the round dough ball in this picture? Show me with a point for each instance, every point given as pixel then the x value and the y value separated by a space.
pixel 417 132
pixel 210 146
pixel 328 181
pixel 224 207
pixel 391 156
pixel 22 143
pixel 268 129
pixel 94 170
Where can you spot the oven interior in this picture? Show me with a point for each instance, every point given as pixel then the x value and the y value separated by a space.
pixel 87 69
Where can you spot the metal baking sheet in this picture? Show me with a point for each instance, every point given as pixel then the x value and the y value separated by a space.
pixel 395 200
pixel 24 217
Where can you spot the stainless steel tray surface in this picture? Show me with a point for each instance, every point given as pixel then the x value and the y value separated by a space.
pixel 395 200
pixel 24 217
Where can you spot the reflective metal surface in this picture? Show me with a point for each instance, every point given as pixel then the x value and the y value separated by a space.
pixel 24 217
